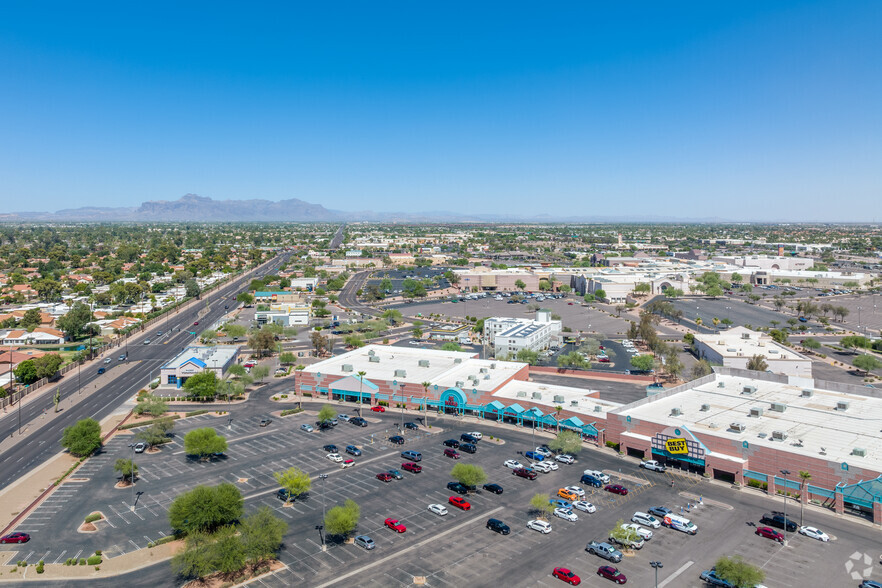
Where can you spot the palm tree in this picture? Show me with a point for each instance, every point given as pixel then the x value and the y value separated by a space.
pixel 361 376
pixel 804 477
pixel 557 411
pixel 425 386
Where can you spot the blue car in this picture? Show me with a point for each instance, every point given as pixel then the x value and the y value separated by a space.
pixel 560 503
pixel 534 456
pixel 711 577
pixel 353 450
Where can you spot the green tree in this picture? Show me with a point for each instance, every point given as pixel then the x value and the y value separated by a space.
pixel 468 474
pixel 127 468
pixel 26 372
pixel 643 363
pixel 237 370
pixel 208 336
pixel 75 320
pixel 757 363
pixel 392 315
pixel 287 358
pixel 566 442
pixel 206 508
pixel 245 298
pixel 738 572
pixel 47 365
pixel 261 535
pixel 294 480
pixel 157 433
pixel 868 363
pixel 812 344
pixel 342 520
pixel 673 292
pixel 197 559
pixel 319 342
pixel 30 319
pixel 191 288
pixel 804 477
pixel 233 330
pixel 520 285
pixel 203 385
pixel 642 288
pixel 600 294
pixel 204 442
pixel 539 503
pixel 623 535
pixel 152 405
pixel 528 356
pixel 83 438
pixel 451 346
pixel 262 341
pixel 326 413
pixel 259 372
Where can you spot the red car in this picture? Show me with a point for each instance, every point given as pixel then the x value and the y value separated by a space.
pixel 384 477
pixel 567 576
pixel 15 538
pixel 459 502
pixel 603 359
pixel 412 467
pixel 617 489
pixel 196 323
pixel 612 573
pixel 451 453
pixel 378 408
pixel 524 473
pixel 770 533
pixel 395 525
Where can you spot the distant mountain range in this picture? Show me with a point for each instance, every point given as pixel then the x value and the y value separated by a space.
pixel 195 208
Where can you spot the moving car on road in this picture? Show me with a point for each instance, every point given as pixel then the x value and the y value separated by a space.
pixel 378 408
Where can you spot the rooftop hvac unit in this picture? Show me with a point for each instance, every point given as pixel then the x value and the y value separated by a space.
pixel 487 377
pixel 372 352
pixel 806 393
pixel 731 350
pixel 598 408
pixel 859 451
pixel 558 398
pixel 457 360
pixel 347 367
pixel 737 427
pixel 778 407
pixel 400 373
pixel 745 335
pixel 493 366
pixel 705 407
pixel 773 351
pixel 779 435
pixel 756 412
pixel 721 384
pixel 761 344
pixel 842 405
pixel 483 370
pixel 675 412
pixel 574 403
pixel 748 390
pixel 537 395
pixel 423 363
pixel 521 394
pixel 459 384
pixel 374 359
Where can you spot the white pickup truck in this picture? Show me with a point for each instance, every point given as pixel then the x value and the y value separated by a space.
pixel 652 465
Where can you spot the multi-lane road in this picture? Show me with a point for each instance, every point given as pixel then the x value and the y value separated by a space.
pixel 104 393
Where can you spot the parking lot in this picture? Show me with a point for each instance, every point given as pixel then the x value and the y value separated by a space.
pixel 453 550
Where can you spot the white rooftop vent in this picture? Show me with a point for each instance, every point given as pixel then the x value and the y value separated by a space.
pixel 705 407
pixel 773 351
pixel 487 376
pixel 842 405
pixel 521 394
pixel 859 451
pixel 371 352
pixel 558 398
pixel 778 407
pixel 423 363
pixel 756 412
pixel 748 390
pixel 347 367
pixel 459 383
pixel 493 366
pixel 374 359
pixel 745 335
pixel 537 395
pixel 457 360
pixel 731 350
pixel 738 427
pixel 400 373
pixel 779 435
pixel 483 370
pixel 574 403
pixel 598 408
pixel 807 393
pixel 675 412
pixel 721 384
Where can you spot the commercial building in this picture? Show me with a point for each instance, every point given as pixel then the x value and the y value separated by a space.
pixel 195 360
pixel 509 335
pixel 734 348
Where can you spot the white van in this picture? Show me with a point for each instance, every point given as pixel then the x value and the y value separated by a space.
pixel 680 524
pixel 597 474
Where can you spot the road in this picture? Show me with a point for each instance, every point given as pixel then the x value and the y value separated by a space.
pixel 349 299
pixel 338 238
pixel 106 392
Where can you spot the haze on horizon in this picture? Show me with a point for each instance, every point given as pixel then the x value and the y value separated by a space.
pixel 741 110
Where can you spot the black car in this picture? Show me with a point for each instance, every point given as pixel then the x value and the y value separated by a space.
pixel 467 438
pixel 353 450
pixel 452 443
pixel 494 488
pixel 283 494
pixel 777 519
pixel 467 447
pixel 323 425
pixel 411 426
pixel 498 526
pixel 330 448
pixel 397 439
pixel 457 487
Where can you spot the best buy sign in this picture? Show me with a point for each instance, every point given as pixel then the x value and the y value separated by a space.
pixel 676 446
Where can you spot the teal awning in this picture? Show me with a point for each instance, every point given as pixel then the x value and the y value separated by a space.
pixel 495 406
pixel 515 408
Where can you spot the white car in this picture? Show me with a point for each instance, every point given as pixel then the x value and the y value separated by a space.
pixel 566 513
pixel 438 509
pixel 540 466
pixel 335 457
pixel 551 464
pixel 648 520
pixel 642 531
pixel 576 490
pixel 540 526
pixel 652 465
pixel 476 435
pixel 584 506
pixel 543 452
pixel 513 464
pixel 814 533
pixel 343 417
pixel 565 458
pixel 597 474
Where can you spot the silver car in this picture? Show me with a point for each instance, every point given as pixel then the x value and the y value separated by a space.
pixel 365 542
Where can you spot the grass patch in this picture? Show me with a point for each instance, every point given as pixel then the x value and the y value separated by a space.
pixel 291 411
pixel 196 412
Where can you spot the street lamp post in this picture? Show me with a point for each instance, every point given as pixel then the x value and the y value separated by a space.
pixel 132 475
pixel 319 527
pixel 859 318
pixel 656 565
pixel 785 473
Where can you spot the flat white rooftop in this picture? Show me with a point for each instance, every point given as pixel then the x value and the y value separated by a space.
pixel 576 400
pixel 743 342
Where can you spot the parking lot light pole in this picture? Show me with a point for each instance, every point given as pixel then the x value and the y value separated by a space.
pixel 323 478
pixel 321 535
pixel 656 565
pixel 785 473
pixel 132 475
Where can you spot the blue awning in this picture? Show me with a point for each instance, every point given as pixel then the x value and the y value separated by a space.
pixel 515 408
pixel 495 406
pixel 574 421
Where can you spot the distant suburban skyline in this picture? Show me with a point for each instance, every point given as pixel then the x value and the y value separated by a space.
pixel 738 110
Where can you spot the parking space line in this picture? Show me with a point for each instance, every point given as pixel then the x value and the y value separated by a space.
pixel 58 559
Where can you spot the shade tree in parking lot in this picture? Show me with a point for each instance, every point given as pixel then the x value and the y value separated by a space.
pixel 261 535
pixel 204 442
pixel 259 372
pixel 342 520
pixel 151 405
pixel 207 553
pixel 738 572
pixel 319 342
pixel 82 438
pixel 295 481
pixel 622 535
pixel 127 468
pixel 262 342
pixel 539 504
pixel 205 509
pixel 326 413
pixel 468 474
pixel 566 442
pixel 573 359
pixel 157 433
pixel 203 385
pixel 867 363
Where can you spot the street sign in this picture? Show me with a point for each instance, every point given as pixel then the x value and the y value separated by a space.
pixel 676 446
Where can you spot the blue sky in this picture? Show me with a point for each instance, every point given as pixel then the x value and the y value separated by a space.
pixel 740 110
